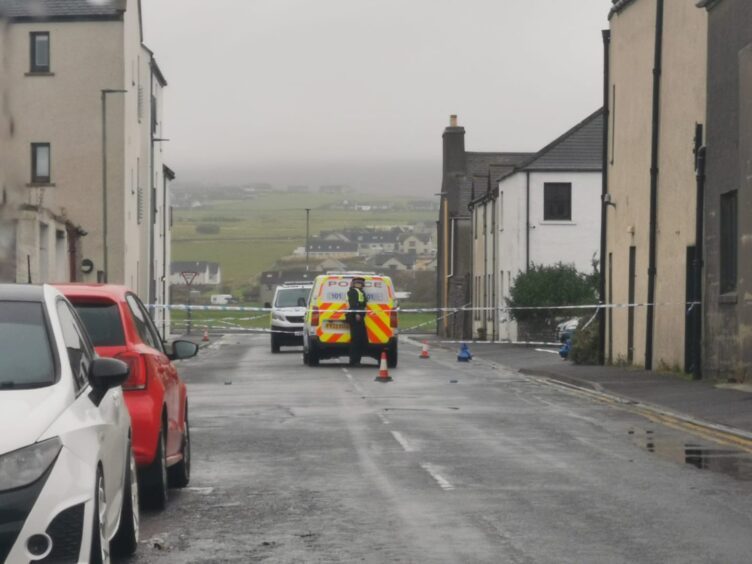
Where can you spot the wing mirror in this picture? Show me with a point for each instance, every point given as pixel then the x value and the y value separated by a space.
pixel 268 305
pixel 183 349
pixel 106 373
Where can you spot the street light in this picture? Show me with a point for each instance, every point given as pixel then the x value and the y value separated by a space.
pixel 105 92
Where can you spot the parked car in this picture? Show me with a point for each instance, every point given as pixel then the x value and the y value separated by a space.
pixel 121 327
pixel 288 309
pixel 326 333
pixel 68 488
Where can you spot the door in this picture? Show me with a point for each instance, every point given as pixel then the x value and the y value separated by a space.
pixel 631 301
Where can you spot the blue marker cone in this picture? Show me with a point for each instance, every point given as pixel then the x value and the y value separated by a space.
pixel 464 355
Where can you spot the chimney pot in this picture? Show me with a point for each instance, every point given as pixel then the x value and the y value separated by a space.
pixel 453 120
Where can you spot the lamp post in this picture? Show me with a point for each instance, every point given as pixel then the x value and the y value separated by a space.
pixel 105 92
pixel 307 235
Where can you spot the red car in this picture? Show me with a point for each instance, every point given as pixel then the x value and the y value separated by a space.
pixel 121 327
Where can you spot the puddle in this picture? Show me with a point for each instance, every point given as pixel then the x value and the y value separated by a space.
pixel 729 461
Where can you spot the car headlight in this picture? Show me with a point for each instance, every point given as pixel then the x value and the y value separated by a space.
pixel 279 317
pixel 25 466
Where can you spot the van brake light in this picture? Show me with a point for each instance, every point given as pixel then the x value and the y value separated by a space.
pixel 137 376
pixel 315 317
pixel 393 319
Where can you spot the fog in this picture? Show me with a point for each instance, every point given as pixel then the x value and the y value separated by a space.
pixel 358 91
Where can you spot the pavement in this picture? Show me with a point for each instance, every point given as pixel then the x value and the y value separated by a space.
pixel 721 407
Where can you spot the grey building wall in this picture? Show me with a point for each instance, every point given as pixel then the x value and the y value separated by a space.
pixel 727 339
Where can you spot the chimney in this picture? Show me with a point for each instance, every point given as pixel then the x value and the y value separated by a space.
pixel 454 148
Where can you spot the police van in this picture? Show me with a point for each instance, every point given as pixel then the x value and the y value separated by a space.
pixel 326 333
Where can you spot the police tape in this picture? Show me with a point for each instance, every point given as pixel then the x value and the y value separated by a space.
pixel 187 307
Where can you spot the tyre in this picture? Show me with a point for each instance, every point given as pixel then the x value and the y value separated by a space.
pixel 154 486
pixel 313 355
pixel 275 344
pixel 392 356
pixel 100 545
pixel 180 473
pixel 125 542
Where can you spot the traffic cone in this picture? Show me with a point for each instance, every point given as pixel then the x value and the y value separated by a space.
pixel 206 334
pixel 464 355
pixel 424 353
pixel 383 370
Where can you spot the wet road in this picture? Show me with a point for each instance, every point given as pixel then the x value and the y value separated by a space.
pixel 449 463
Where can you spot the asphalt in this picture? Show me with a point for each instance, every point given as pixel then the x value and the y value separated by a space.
pixel 719 406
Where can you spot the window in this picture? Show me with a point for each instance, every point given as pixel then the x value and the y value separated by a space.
pixel 728 242
pixel 102 321
pixel 557 201
pixel 25 347
pixel 40 163
pixel 80 354
pixel 40 52
pixel 142 321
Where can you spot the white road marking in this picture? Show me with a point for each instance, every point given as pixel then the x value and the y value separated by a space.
pixel 383 418
pixel 402 441
pixel 201 491
pixel 444 484
pixel 547 350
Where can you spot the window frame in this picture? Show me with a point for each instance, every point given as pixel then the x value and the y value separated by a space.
pixel 34 68
pixel 88 348
pixel 132 299
pixel 34 156
pixel 547 201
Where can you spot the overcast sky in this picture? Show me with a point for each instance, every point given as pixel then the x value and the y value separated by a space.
pixel 318 91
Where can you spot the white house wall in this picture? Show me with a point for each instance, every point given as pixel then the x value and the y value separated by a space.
pixel 570 242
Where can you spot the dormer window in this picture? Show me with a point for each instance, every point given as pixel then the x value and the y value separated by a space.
pixel 40 52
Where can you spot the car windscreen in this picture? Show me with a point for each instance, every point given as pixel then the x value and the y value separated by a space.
pixel 26 359
pixel 103 322
pixel 376 290
pixel 291 297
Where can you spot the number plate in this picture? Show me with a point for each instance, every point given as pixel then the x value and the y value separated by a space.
pixel 337 326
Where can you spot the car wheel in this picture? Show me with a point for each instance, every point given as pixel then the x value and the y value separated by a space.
pixel 305 357
pixel 154 488
pixel 125 542
pixel 275 344
pixel 180 473
pixel 313 356
pixel 392 356
pixel 100 545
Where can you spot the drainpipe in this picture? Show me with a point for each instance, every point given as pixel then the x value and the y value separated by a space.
pixel 604 192
pixel 657 69
pixel 698 264
pixel 527 221
pixel 494 235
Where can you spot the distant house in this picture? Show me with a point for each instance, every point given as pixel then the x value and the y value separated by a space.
pixel 394 261
pixel 425 263
pixel 207 273
pixel 373 241
pixel 416 243
pixel 324 248
pixel 333 189
pixel 423 205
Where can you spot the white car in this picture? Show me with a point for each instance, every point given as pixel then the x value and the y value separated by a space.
pixel 68 489
pixel 288 311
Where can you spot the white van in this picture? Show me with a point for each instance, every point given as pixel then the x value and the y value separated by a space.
pixel 221 299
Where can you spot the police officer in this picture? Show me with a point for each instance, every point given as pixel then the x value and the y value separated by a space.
pixel 356 317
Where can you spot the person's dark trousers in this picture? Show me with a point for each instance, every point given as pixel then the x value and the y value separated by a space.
pixel 358 340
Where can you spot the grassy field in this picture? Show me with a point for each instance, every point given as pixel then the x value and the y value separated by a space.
pixel 253 234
